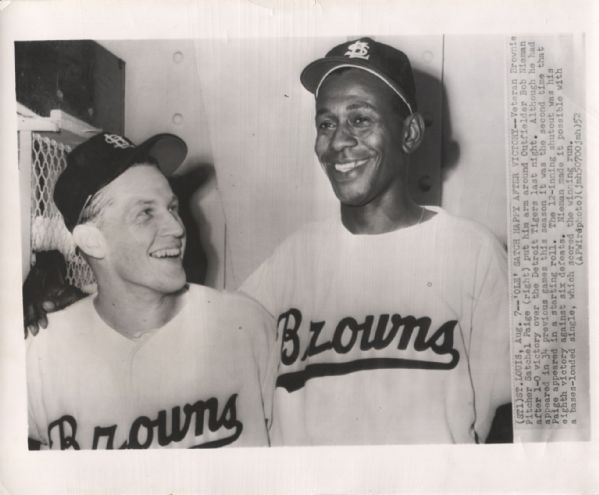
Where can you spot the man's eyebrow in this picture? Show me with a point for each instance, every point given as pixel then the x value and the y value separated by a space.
pixel 351 106
pixel 141 202
pixel 362 104
pixel 137 200
pixel 322 111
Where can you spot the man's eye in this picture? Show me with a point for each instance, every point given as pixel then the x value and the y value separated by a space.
pixel 361 121
pixel 326 124
pixel 145 213
pixel 174 208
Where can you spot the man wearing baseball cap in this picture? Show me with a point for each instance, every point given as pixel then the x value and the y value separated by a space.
pixel 392 317
pixel 149 361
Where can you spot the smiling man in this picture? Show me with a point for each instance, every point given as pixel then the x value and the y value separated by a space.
pixel 392 317
pixel 149 361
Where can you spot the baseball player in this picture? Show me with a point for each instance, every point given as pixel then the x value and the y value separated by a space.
pixel 149 361
pixel 392 317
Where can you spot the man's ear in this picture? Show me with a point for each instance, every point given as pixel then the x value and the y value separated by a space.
pixel 90 240
pixel 413 132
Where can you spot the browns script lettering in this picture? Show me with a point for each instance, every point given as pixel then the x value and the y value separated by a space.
pixel 194 419
pixel 388 337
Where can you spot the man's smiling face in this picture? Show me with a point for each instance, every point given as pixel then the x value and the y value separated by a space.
pixel 359 136
pixel 144 236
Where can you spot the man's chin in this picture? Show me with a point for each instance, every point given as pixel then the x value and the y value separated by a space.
pixel 173 282
pixel 173 288
pixel 350 198
pixel 180 282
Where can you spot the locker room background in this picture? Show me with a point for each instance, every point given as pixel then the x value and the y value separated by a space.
pixel 241 109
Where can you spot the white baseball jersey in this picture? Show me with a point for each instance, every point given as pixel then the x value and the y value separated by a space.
pixel 395 338
pixel 204 379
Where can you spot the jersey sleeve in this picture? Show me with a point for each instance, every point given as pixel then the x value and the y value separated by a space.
pixel 275 280
pixel 489 347
pixel 269 283
pixel 260 285
pixel 262 335
pixel 35 407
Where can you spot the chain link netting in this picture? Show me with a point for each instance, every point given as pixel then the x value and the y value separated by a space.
pixel 48 231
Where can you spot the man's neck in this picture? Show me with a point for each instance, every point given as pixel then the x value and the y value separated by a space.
pixel 386 214
pixel 134 313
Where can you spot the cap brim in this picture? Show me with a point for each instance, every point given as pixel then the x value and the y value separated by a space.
pixel 315 71
pixel 313 75
pixel 167 149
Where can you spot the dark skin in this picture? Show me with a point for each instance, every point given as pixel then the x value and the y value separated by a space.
pixel 46 290
pixel 363 142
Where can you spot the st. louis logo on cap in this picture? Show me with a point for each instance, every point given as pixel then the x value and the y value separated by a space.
pixel 358 49
pixel 117 141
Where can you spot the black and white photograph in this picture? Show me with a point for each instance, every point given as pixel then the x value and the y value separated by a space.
pixel 378 324
pixel 365 244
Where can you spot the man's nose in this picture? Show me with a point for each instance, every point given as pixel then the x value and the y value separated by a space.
pixel 173 225
pixel 343 138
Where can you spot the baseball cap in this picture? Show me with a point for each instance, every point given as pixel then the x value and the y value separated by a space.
pixel 383 61
pixel 101 159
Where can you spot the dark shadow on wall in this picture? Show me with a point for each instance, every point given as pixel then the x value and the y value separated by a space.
pixel 450 149
pixel 197 250
pixel 439 153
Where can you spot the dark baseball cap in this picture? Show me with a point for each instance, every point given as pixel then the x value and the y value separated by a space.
pixel 383 61
pixel 101 159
